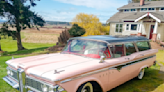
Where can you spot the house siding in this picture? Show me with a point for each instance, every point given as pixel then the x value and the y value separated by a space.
pixel 161 31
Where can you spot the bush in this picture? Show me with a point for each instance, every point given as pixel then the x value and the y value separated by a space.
pixel 76 30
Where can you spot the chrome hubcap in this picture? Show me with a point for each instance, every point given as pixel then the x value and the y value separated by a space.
pixel 86 89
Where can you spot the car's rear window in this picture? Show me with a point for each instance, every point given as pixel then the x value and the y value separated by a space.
pixel 142 46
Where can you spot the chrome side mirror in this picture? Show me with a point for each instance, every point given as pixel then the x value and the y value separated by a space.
pixel 102 58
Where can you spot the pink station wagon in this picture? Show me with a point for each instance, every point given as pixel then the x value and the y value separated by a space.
pixel 86 64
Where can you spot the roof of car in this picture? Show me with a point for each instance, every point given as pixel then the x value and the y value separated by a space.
pixel 113 39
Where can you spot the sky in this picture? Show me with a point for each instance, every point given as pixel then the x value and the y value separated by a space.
pixel 66 10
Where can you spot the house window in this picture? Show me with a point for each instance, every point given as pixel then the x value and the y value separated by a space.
pixel 132 27
pixel 127 26
pixel 143 9
pixel 162 9
pixel 151 9
pixel 126 10
pixel 133 10
pixel 119 28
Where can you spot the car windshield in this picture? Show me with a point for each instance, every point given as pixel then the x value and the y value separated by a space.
pixel 93 49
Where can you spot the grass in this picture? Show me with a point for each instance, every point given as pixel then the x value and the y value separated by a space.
pixel 160 56
pixel 10 46
pixel 4 87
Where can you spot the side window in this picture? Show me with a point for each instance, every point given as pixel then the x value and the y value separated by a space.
pixel 130 48
pixel 117 50
pixel 104 50
pixel 142 46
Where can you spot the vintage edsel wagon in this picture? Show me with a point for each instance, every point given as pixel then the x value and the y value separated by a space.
pixel 86 64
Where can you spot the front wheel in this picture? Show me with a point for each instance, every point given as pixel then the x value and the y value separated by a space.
pixel 87 87
pixel 141 74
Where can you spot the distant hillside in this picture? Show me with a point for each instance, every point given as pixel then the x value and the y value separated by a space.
pixel 58 23
pixel 1 21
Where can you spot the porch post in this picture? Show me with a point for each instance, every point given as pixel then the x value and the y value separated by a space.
pixel 155 28
pixel 154 37
pixel 140 29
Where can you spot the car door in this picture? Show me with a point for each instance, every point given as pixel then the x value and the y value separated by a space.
pixel 119 73
pixel 143 48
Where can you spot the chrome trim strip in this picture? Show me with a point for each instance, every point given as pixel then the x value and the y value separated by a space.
pixel 19 73
pixel 13 78
pixel 113 67
pixel 11 82
pixel 84 75
pixel 33 89
pixel 8 68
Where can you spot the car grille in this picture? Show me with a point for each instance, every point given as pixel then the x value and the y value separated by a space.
pixel 34 84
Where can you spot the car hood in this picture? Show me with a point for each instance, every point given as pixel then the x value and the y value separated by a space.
pixel 55 66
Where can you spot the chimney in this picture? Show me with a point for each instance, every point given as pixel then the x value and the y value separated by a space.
pixel 142 2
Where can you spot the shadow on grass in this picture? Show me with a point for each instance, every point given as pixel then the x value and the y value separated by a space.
pixel 151 81
pixel 26 51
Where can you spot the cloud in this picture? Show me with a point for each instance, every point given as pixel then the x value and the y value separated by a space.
pixel 98 4
pixel 57 15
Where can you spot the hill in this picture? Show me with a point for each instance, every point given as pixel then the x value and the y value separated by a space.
pixel 58 23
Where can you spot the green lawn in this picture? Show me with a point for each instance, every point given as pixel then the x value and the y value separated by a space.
pixel 4 87
pixel 10 46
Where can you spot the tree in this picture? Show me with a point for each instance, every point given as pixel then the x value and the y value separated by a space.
pixel 20 17
pixel 90 23
pixel 76 31
pixel 105 29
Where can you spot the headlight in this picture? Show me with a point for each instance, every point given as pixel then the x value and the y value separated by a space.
pixel 60 89
pixel 11 73
pixel 51 89
pixel 44 88
pixel 8 72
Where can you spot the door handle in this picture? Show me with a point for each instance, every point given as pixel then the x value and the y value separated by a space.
pixel 127 58
pixel 141 54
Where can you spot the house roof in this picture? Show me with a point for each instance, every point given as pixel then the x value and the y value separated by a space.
pixel 113 39
pixel 132 16
pixel 147 4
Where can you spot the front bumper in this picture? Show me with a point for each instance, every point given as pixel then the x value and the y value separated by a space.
pixel 11 82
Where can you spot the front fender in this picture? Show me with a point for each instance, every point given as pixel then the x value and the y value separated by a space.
pixel 75 84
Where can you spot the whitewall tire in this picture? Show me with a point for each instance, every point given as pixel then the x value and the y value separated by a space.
pixel 141 74
pixel 87 87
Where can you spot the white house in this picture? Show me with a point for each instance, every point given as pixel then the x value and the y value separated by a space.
pixel 143 19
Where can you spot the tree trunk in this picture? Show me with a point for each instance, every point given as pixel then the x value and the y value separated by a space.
pixel 19 42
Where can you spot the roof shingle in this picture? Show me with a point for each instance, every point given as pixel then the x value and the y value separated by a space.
pixel 147 4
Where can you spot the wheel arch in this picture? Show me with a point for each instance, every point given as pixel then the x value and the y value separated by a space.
pixel 145 66
pixel 92 80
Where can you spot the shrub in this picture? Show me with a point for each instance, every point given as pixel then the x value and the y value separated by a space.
pixel 76 30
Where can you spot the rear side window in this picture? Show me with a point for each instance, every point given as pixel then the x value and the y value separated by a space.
pixel 130 48
pixel 142 46
pixel 117 50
